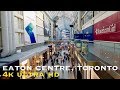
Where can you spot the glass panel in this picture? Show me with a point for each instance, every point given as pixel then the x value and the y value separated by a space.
pixel 117 55
pixel 0 37
pixel 108 52
pixel 0 32
pixel 96 12
pixel 19 38
pixel 40 30
pixel 39 22
pixel 88 16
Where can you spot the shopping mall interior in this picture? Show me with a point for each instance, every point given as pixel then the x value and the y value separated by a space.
pixel 60 38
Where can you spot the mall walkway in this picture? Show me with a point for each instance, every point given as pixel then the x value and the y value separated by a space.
pixel 63 74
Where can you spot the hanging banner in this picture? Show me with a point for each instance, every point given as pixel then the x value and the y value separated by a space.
pixel 30 27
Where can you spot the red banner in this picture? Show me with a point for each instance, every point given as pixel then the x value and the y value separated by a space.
pixel 108 29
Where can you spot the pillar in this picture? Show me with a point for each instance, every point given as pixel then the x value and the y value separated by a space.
pixel 8 39
pixel 79 21
pixel 5 34
pixel 52 28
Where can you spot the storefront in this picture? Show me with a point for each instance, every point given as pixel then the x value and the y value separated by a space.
pixel 33 62
pixel 36 60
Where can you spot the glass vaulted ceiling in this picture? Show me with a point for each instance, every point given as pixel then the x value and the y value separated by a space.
pixel 66 18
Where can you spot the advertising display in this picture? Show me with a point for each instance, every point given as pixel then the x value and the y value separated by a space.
pixel 108 29
pixel 30 27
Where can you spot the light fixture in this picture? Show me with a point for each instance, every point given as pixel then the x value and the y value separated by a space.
pixel 71 25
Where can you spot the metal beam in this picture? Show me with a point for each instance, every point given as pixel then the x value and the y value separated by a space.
pixel 84 14
pixel 47 16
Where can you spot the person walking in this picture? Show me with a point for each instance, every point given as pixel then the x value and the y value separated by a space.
pixel 57 61
pixel 46 75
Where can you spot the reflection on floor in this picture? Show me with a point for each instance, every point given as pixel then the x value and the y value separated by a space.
pixel 62 74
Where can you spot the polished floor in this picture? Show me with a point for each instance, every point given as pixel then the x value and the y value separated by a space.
pixel 63 74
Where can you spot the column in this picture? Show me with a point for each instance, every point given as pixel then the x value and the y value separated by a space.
pixel 79 21
pixel 70 32
pixel 5 34
pixel 8 39
pixel 52 28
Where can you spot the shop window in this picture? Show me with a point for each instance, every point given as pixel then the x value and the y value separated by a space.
pixel 19 23
pixel 19 38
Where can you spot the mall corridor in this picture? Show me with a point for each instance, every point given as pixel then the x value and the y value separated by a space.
pixel 60 38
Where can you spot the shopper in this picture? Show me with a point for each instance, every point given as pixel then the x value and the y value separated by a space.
pixel 57 61
pixel 52 63
pixel 61 61
pixel 46 75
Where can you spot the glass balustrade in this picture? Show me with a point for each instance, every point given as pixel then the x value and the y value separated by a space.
pixel 109 52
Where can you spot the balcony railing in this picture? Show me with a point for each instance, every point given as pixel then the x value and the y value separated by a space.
pixel 109 52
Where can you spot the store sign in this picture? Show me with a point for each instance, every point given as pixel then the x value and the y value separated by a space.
pixel 78 36
pixel 108 29
pixel 29 27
